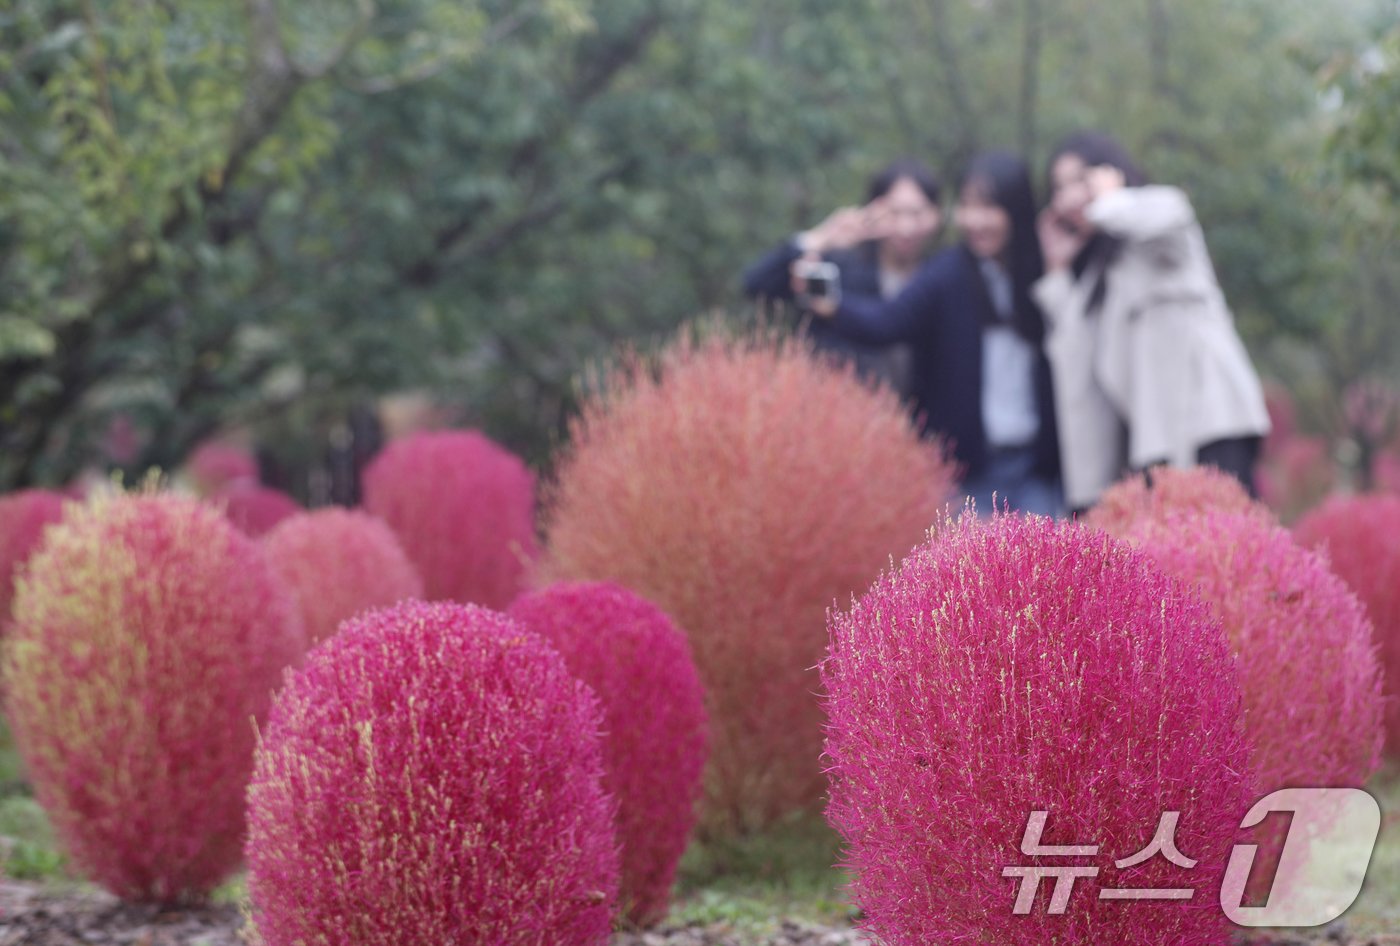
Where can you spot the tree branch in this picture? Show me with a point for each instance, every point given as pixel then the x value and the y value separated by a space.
pixel 952 74
pixel 526 157
pixel 432 66
pixel 1030 74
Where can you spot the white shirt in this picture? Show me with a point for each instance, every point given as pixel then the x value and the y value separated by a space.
pixel 1009 415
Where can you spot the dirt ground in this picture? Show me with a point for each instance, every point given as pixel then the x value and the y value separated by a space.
pixel 66 915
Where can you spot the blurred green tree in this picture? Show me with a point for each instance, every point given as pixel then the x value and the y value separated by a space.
pixel 259 212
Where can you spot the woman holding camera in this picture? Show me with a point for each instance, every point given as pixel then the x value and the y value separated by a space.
pixel 844 259
pixel 981 380
pixel 1148 367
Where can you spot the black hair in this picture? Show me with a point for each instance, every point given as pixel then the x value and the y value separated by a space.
pixel 916 171
pixel 1095 148
pixel 1006 179
pixel 883 180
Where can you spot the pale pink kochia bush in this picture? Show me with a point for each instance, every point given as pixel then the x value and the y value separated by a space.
pixel 464 508
pixel 1132 501
pixel 1308 669
pixel 1012 666
pixel 1361 537
pixel 23 517
pixel 339 562
pixel 433 774
pixel 640 667
pixel 216 464
pixel 148 635
pixel 742 485
pixel 255 509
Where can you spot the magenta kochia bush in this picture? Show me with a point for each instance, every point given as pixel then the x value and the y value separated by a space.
pixel 1015 666
pixel 339 562
pixel 432 774
pixel 639 664
pixel 1361 537
pixel 217 464
pixel 148 634
pixel 1164 492
pixel 23 518
pixel 1308 665
pixel 464 509
pixel 255 509
pixel 1308 669
pixel 743 485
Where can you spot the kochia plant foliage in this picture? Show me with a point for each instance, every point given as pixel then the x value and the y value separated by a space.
pixel 1013 666
pixel 253 508
pixel 1308 668
pixel 639 664
pixel 432 775
pixel 742 485
pixel 148 635
pixel 1166 491
pixel 464 508
pixel 23 518
pixel 1359 536
pixel 339 562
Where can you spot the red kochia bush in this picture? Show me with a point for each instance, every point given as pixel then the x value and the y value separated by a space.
pixel 1308 667
pixel 1361 537
pixel 742 486
pixel 255 509
pixel 148 633
pixel 633 657
pixel 23 517
pixel 1015 666
pixel 339 562
pixel 215 465
pixel 432 775
pixel 1312 690
pixel 463 507
pixel 1167 491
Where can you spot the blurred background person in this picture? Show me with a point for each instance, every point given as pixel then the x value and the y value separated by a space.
pixel 865 266
pixel 1148 367
pixel 980 378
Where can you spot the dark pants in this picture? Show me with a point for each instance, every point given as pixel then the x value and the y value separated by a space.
pixel 1236 456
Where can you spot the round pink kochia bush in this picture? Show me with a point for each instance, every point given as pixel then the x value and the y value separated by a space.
pixel 339 562
pixel 1361 537
pixel 464 508
pixel 1012 666
pixel 1308 667
pixel 743 485
pixel 216 464
pixel 148 634
pixel 23 517
pixel 1136 498
pixel 639 665
pixel 255 509
pixel 432 774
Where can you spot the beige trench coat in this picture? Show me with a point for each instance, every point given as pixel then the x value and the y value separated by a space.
pixel 1159 370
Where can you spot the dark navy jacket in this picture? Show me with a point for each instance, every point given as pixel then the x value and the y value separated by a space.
pixel 941 313
pixel 770 279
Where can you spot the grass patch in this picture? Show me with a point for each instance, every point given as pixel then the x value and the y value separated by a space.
pixel 749 881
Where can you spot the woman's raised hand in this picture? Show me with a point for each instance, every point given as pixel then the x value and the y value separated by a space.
pixel 1105 179
pixel 844 228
